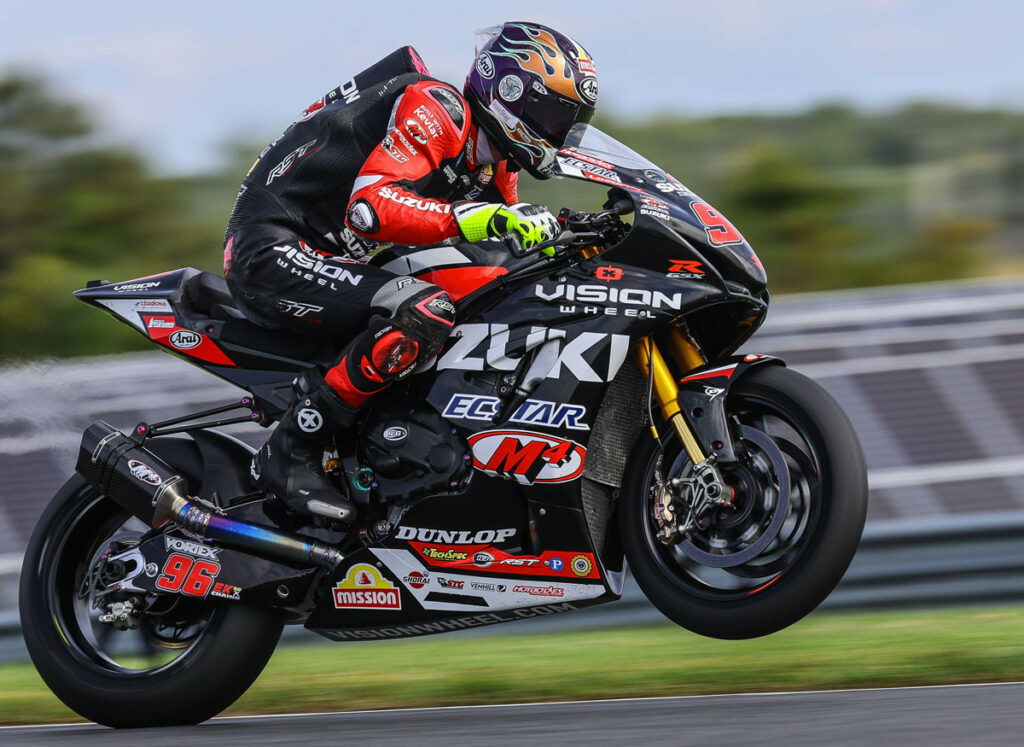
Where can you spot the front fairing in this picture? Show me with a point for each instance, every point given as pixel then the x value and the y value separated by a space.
pixel 674 231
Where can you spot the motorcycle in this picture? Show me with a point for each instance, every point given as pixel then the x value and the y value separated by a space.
pixel 587 412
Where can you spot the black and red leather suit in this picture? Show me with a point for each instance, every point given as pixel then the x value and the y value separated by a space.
pixel 360 168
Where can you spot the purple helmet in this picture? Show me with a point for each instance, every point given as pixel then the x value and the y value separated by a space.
pixel 528 85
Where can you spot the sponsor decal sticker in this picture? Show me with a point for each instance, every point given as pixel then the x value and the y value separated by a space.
pixel 610 294
pixel 450 583
pixel 417 580
pixel 483 559
pixel 539 591
pixel 473 558
pixel 527 457
pixel 608 273
pixel 588 89
pixel 395 433
pixel 447 554
pixel 455 537
pixel 485 65
pixel 364 588
pixel 143 472
pixel 687 269
pixel 152 304
pixel 510 88
pixel 481 586
pixel 226 591
pixel 531 412
pixel 587 356
pixel 581 565
pixel 185 339
pixel 178 544
pixel 135 287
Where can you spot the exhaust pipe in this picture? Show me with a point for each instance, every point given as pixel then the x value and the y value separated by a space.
pixel 142 483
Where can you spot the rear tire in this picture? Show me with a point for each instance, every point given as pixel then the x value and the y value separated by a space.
pixel 213 669
pixel 825 510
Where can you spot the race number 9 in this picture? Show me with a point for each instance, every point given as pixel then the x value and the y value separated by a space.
pixel 719 230
pixel 191 577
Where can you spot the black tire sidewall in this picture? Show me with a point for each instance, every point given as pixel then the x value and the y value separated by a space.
pixel 221 666
pixel 828 551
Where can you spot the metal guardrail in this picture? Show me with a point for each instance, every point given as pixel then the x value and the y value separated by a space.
pixel 947 561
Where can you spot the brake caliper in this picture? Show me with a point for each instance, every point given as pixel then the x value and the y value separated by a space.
pixel 697 495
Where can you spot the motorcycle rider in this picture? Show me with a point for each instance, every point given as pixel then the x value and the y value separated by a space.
pixel 411 161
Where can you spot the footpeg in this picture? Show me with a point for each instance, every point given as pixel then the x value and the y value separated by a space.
pixel 331 511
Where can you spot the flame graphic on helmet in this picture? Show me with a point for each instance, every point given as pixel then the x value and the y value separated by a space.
pixel 539 53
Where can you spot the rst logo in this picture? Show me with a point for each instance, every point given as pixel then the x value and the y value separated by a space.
pixel 527 457
pixel 588 356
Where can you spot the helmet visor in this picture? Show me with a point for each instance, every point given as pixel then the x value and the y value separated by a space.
pixel 552 116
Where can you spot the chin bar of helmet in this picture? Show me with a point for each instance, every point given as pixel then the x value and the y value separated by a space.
pixel 140 482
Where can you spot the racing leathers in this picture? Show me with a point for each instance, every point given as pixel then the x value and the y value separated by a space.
pixel 384 165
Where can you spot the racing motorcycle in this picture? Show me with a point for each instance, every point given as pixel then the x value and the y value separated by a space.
pixel 587 411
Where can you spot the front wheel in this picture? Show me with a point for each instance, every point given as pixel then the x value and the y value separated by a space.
pixel 762 563
pixel 185 661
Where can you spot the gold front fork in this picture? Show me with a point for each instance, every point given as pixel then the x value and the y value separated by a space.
pixel 652 363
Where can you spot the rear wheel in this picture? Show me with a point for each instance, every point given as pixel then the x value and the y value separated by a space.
pixel 185 662
pixel 765 561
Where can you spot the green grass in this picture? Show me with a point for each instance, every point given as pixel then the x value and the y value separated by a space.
pixel 823 651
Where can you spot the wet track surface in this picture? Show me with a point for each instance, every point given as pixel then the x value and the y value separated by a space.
pixel 957 715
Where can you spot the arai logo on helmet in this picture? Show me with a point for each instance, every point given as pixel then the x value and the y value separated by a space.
pixel 185 340
pixel 395 433
pixel 143 472
pixel 588 89
pixel 510 88
pixel 485 65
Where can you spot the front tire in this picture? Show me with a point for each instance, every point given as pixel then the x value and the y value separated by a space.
pixel 195 661
pixel 799 453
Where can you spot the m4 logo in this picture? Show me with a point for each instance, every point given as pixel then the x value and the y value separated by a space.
pixel 527 457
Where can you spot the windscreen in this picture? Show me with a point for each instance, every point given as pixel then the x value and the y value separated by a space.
pixel 588 139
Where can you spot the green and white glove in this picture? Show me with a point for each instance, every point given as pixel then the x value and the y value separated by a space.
pixel 534 224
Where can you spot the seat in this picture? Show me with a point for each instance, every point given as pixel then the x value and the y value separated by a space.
pixel 205 304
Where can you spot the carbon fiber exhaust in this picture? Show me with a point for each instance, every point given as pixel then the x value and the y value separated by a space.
pixel 140 482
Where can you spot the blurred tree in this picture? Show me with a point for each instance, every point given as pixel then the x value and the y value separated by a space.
pixel 793 216
pixel 72 210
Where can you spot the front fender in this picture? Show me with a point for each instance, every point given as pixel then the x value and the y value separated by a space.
pixel 702 394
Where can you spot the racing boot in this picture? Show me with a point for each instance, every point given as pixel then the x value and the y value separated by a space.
pixel 290 463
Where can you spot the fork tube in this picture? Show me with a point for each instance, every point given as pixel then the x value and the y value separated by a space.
pixel 686 353
pixel 651 362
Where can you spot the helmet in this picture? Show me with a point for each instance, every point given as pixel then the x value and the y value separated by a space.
pixel 528 85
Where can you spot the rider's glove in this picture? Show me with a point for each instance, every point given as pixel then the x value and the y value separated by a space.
pixel 534 224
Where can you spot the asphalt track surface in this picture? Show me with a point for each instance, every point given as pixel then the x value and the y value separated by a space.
pixel 945 715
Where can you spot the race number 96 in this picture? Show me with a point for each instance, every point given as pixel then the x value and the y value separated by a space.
pixel 188 575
